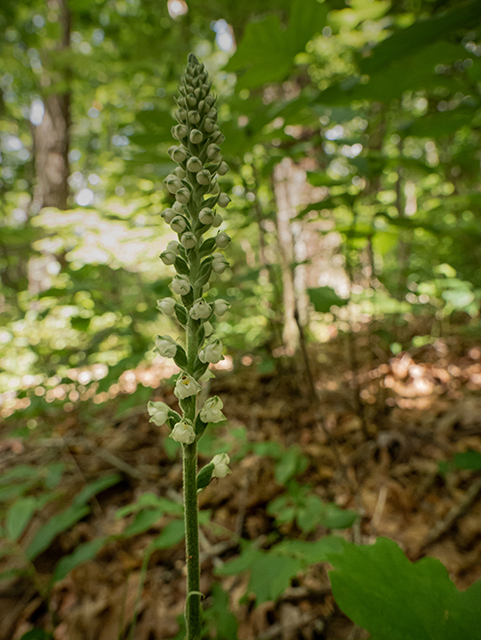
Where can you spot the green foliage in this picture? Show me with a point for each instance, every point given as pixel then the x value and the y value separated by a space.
pixel 266 40
pixel 271 571
pixel 468 460
pixel 299 504
pixel 382 591
pixel 218 618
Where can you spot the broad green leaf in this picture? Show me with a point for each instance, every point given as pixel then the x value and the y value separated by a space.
pixel 171 534
pixel 468 460
pixel 20 472
pixel 37 634
pixel 82 553
pixel 97 486
pixel 383 592
pixel 143 521
pixel 51 529
pixel 323 298
pixel 441 124
pixel 412 39
pixel 219 616
pixel 18 516
pixel 271 575
pixel 266 40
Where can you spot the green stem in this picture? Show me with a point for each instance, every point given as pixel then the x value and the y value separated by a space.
pixel 192 604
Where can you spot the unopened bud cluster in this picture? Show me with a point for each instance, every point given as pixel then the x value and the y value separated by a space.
pixel 197 194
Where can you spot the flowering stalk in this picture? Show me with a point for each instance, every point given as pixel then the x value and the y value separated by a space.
pixel 195 258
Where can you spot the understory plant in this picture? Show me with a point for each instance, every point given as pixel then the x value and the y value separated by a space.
pixel 195 258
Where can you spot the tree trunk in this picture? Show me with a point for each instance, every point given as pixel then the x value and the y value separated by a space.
pixel 52 137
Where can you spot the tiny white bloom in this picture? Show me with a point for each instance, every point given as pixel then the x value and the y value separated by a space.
pixel 200 310
pixel 186 386
pixel 220 461
pixel 180 285
pixel 158 412
pixel 212 352
pixel 222 240
pixel 208 329
pixel 183 432
pixel 166 305
pixel 220 307
pixel 166 346
pixel 212 410
pixel 219 263
pixel 208 375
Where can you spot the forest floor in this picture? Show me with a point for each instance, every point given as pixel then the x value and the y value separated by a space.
pixel 416 410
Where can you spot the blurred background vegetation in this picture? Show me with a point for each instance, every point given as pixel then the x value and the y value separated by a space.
pixel 353 135
pixel 352 131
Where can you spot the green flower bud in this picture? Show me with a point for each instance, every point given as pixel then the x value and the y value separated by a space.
pixel 219 263
pixel 209 100
pixel 181 115
pixel 212 150
pixel 168 215
pixel 222 240
pixel 212 113
pixel 215 189
pixel 194 164
pixel 200 106
pixel 209 125
pixel 178 224
pixel 203 177
pixel 188 240
pixel 218 137
pixel 223 200
pixel 173 245
pixel 179 154
pixel 179 131
pixel 194 117
pixel 180 173
pixel 217 220
pixel 206 216
pixel 168 257
pixel 223 169
pixel 177 207
pixel 191 100
pixel 182 102
pixel 183 195
pixel 196 136
pixel 172 183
